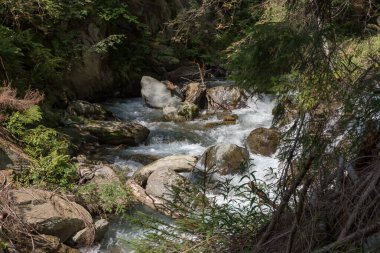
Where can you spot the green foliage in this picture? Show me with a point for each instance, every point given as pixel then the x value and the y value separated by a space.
pixel 103 46
pixel 269 51
pixel 207 28
pixel 51 166
pixel 106 197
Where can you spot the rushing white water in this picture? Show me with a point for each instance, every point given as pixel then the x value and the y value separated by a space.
pixel 191 138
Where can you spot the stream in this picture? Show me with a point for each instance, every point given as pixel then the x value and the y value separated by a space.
pixel 188 138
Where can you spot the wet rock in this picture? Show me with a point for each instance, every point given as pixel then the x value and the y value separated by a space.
pixel 162 182
pixel 49 213
pixel 81 238
pixel 87 110
pixel 230 118
pixel 144 159
pixel 263 141
pixel 115 133
pixel 185 111
pixel 219 123
pixel 224 159
pixel 156 94
pixel 225 98
pixel 195 93
pixel 177 163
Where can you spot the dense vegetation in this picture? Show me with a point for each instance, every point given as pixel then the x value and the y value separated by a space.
pixel 319 58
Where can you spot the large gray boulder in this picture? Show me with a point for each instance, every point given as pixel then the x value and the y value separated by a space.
pixel 263 141
pixel 162 182
pixel 225 98
pixel 177 163
pixel 87 110
pixel 49 213
pixel 116 133
pixel 156 94
pixel 224 159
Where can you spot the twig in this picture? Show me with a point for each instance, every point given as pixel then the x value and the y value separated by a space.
pixel 298 215
pixel 358 206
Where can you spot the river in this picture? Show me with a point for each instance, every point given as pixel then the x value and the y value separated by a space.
pixel 190 138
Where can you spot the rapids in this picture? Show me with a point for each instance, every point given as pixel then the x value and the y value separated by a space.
pixel 191 138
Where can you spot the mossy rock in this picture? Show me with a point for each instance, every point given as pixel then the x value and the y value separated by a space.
pixel 219 123
pixel 185 111
pixel 116 133
pixel 263 141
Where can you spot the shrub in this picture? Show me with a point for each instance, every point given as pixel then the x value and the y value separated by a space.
pixel 105 198
pixel 51 166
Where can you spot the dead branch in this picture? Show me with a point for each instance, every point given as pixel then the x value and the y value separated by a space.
pixel 371 187
pixel 285 201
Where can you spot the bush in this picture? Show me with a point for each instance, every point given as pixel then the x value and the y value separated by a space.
pixel 105 198
pixel 51 166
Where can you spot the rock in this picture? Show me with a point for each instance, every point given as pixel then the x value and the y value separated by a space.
pixel 185 111
pixel 6 177
pixel 160 183
pixel 116 133
pixel 52 244
pixel 189 71
pixel 12 155
pixel 177 163
pixel 230 118
pixel 81 238
pixel 97 173
pixel 143 159
pixel 218 124
pixel 87 110
pixel 263 141
pixel 194 93
pixel 224 159
pixel 156 94
pixel 225 98
pixel 49 213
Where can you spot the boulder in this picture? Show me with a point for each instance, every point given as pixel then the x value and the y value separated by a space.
pixel 6 177
pixel 52 244
pixel 177 163
pixel 263 141
pixel 161 182
pixel 49 213
pixel 81 238
pixel 185 111
pixel 116 133
pixel 87 110
pixel 225 98
pixel 224 159
pixel 97 173
pixel 188 71
pixel 12 155
pixel 156 94
pixel 194 93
